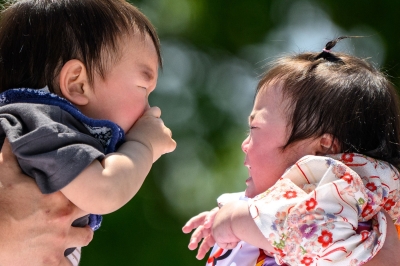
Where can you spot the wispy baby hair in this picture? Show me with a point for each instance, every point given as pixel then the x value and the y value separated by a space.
pixel 342 95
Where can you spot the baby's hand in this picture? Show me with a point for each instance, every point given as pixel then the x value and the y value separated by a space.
pixel 151 132
pixel 222 228
pixel 202 222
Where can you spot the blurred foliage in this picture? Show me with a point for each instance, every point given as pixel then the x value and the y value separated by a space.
pixel 213 52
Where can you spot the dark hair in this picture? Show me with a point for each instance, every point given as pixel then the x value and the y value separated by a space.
pixel 342 95
pixel 37 37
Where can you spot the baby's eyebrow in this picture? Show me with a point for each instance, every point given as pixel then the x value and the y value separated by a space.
pixel 147 71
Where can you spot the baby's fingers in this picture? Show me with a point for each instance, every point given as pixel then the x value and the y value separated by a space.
pixel 228 245
pixel 197 236
pixel 153 111
pixel 205 246
pixel 209 219
pixel 194 222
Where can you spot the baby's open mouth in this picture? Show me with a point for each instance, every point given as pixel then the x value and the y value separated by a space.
pixel 248 179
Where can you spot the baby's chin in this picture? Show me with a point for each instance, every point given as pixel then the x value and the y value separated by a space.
pixel 250 190
pixel 249 193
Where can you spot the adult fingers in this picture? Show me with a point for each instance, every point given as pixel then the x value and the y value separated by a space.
pixel 392 236
pixel 9 158
pixel 6 148
pixel 79 236
pixel 389 248
pixel 77 212
pixel 62 210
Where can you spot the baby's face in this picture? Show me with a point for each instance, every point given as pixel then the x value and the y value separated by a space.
pixel 122 96
pixel 265 160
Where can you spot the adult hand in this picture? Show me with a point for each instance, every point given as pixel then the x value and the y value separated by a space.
pixel 387 256
pixel 34 228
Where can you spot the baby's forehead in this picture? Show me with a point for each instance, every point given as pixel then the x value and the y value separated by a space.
pixel 113 52
pixel 272 89
pixel 272 96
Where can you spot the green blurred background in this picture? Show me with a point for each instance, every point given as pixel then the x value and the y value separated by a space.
pixel 213 52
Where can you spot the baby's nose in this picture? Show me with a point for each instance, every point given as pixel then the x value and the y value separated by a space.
pixel 245 144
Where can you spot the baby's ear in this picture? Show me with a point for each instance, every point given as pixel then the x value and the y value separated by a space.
pixel 74 82
pixel 328 145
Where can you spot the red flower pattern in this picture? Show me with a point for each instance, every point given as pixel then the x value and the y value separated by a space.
pixel 279 251
pixel 347 157
pixel 325 238
pixel 290 194
pixel 364 235
pixel 371 186
pixel 347 177
pixel 307 261
pixel 388 204
pixel 367 211
pixel 311 204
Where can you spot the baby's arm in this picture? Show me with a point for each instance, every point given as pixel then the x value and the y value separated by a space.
pixel 202 222
pixel 225 226
pixel 234 223
pixel 105 186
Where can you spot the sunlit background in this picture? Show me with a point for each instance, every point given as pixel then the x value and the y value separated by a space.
pixel 213 53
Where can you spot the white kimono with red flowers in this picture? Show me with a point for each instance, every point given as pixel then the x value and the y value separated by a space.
pixel 311 214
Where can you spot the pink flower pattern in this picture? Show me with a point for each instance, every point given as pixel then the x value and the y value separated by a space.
pixel 312 213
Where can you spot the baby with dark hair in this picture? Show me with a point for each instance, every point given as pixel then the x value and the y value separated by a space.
pixel 322 155
pixel 75 77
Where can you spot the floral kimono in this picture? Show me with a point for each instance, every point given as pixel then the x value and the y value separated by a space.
pixel 312 213
pixel 324 210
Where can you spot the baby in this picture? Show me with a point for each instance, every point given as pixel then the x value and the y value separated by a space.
pixel 322 154
pixel 76 77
